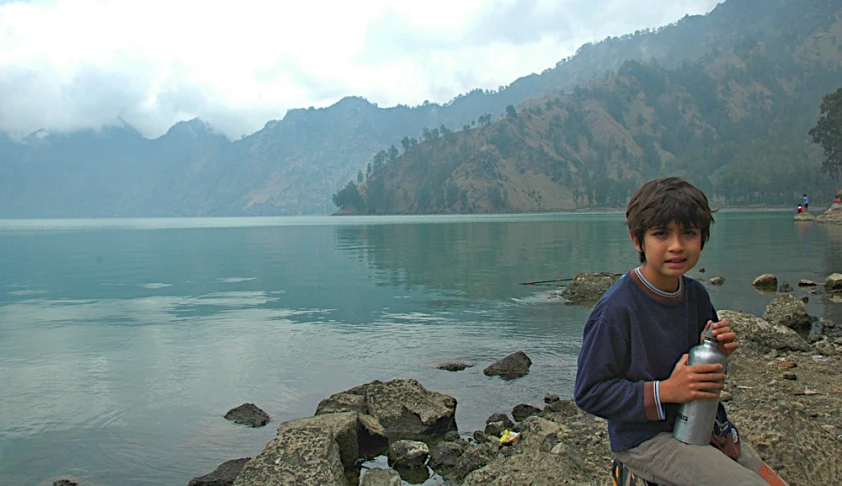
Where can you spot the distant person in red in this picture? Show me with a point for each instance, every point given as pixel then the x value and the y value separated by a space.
pixel 800 209
pixel 838 199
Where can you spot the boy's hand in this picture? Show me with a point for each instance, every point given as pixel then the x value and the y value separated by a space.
pixel 687 383
pixel 726 337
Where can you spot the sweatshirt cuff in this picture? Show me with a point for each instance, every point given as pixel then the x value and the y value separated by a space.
pixel 652 401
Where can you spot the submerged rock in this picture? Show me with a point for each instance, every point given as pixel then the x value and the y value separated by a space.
pixel 248 414
pixel 833 283
pixel 514 365
pixel 767 281
pixel 454 366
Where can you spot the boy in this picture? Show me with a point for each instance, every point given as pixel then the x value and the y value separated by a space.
pixel 633 364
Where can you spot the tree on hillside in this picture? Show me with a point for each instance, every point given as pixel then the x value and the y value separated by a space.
pixel 349 196
pixel 405 143
pixel 828 133
pixel 485 120
pixel 360 177
pixel 393 153
pixel 511 112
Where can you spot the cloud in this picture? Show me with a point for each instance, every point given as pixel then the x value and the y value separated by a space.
pixel 71 64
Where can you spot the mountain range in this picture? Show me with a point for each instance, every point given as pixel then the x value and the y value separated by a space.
pixel 688 98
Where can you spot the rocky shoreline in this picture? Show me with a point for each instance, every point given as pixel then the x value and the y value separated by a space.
pixel 783 391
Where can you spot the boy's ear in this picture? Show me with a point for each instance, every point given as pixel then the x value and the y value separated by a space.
pixel 637 244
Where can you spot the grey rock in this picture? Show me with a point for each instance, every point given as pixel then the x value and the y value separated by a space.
pixel 785 288
pixel 702 270
pixel 725 396
pixel 452 436
pixel 344 428
pixel 790 376
pixel 248 414
pixel 816 331
pixel 342 402
pixel 381 477
pixel 533 468
pixel 475 458
pixel 833 283
pixel 454 366
pixel 224 475
pixel 65 482
pixel 494 429
pixel 766 281
pixel 551 398
pixel 480 437
pixel 789 311
pixel 825 347
pixel 716 280
pixel 300 456
pixel 404 408
pixel 754 331
pixel 500 417
pixel 587 287
pixel 408 454
pixel 806 283
pixel 514 365
pixel 444 456
pixel 522 411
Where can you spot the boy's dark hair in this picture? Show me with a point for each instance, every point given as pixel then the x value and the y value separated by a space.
pixel 658 203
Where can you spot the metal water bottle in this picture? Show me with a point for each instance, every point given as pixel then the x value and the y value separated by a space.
pixel 694 422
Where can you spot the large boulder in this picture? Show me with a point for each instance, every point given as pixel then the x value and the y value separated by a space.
pixel 805 216
pixel 345 428
pixel 789 311
pixel 514 365
pixel 300 456
pixel 754 331
pixel 833 282
pixel 587 287
pixel 404 408
pixel 224 475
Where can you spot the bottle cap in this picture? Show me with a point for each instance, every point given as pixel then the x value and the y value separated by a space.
pixel 709 333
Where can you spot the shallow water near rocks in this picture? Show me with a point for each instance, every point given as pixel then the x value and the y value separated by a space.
pixel 124 342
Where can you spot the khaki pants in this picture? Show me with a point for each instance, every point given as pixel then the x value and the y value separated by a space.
pixel 670 462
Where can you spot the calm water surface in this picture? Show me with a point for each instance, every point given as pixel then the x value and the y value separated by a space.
pixel 123 342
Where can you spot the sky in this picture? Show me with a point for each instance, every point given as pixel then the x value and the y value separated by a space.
pixel 75 64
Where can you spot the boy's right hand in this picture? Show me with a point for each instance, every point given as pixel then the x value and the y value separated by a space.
pixel 687 383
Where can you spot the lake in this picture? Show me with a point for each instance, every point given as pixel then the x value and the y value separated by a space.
pixel 124 342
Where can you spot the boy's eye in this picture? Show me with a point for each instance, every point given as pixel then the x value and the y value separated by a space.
pixel 659 232
pixel 691 232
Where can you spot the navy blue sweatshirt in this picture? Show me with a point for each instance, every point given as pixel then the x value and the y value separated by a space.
pixel 633 338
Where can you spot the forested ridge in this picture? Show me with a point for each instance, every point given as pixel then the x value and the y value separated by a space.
pixel 735 123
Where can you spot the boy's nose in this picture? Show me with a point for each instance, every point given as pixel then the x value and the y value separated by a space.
pixel 676 244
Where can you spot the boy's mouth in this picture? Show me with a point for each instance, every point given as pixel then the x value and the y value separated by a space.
pixel 675 261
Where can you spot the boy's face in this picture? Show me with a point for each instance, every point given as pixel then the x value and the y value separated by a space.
pixel 670 252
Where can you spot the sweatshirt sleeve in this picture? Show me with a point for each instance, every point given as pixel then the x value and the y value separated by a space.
pixel 601 388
